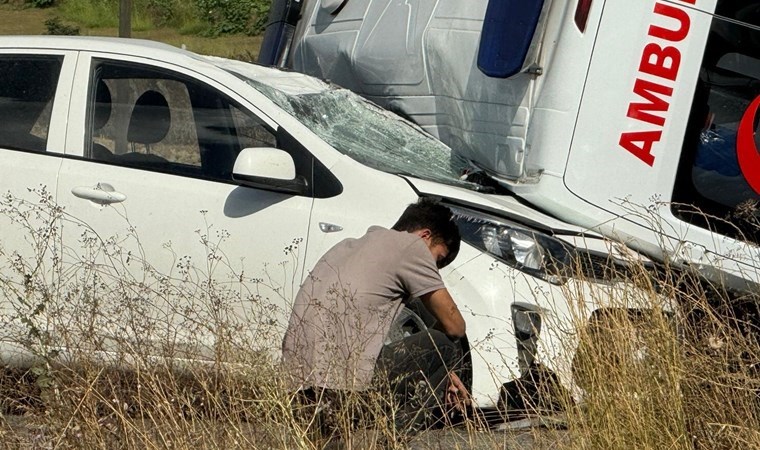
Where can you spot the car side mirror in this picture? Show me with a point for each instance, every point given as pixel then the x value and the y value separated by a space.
pixel 268 168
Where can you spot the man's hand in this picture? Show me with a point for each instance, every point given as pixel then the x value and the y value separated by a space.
pixel 457 396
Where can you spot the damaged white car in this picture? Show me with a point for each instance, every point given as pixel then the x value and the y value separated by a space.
pixel 133 138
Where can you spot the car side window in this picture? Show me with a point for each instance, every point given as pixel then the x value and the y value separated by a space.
pixel 27 89
pixel 154 119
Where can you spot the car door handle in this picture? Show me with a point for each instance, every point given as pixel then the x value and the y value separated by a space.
pixel 103 194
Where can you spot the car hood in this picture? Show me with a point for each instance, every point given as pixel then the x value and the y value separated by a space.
pixel 504 205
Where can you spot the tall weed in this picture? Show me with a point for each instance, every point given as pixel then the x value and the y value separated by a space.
pixel 679 371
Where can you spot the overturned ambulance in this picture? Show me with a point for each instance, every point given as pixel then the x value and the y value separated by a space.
pixel 634 120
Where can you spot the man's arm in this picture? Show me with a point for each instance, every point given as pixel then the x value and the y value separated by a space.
pixel 442 306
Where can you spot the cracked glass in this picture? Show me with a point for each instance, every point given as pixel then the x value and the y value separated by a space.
pixel 369 134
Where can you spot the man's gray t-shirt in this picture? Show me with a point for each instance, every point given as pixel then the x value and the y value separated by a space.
pixel 347 304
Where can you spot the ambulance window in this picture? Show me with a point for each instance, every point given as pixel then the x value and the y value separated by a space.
pixel 741 10
pixel 718 182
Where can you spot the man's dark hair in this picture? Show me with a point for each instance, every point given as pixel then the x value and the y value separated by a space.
pixel 428 213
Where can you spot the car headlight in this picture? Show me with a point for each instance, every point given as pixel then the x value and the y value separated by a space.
pixel 527 250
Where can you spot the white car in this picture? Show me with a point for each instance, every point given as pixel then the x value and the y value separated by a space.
pixel 253 173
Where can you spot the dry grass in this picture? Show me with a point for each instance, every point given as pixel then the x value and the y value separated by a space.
pixel 679 375
pixel 22 21
pixel 678 371
pixel 187 361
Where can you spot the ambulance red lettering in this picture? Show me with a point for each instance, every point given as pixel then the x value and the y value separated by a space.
pixel 676 13
pixel 661 62
pixel 746 146
pixel 649 91
pixel 640 143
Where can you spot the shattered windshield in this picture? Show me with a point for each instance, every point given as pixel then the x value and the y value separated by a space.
pixel 370 134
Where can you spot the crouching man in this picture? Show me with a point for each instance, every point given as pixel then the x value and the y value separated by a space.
pixel 346 306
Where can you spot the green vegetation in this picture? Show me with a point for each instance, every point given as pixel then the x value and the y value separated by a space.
pixel 228 28
pixel 208 17
pixel 96 13
pixel 41 3
pixel 56 27
pixel 238 16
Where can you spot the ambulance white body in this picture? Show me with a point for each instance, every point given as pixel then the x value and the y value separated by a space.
pixel 635 119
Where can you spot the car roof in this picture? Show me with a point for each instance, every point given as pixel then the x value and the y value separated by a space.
pixel 287 81
pixel 85 43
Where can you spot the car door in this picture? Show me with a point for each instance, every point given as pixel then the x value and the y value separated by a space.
pixel 182 258
pixel 33 102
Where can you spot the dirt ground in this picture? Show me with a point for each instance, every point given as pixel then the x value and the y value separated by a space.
pixel 538 438
pixel 24 433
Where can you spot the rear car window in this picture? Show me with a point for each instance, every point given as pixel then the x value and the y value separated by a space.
pixel 27 89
